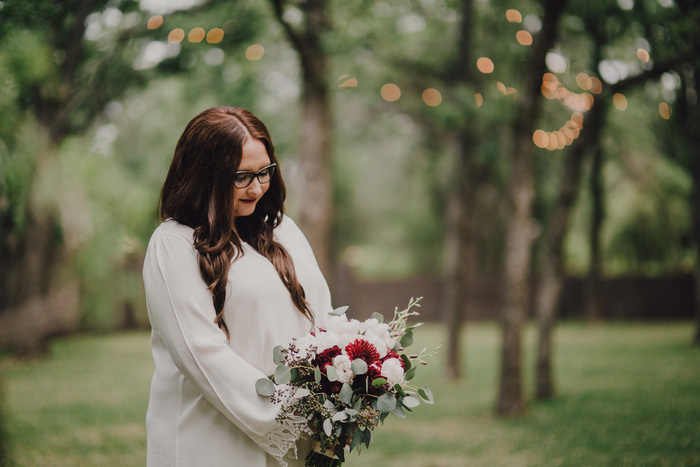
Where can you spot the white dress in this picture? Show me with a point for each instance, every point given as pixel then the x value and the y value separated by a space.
pixel 203 408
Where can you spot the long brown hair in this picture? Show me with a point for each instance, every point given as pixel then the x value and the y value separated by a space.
pixel 198 192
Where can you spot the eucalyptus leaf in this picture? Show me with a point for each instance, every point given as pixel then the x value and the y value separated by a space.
pixel 386 403
pixel 339 416
pixel 400 390
pixel 328 426
pixel 277 355
pixel 410 402
pixel 329 405
pixel 359 366
pixel 378 316
pixel 410 374
pixel 317 374
pixel 398 411
pixel 407 339
pixel 265 387
pixel 283 374
pixel 301 393
pixel 426 394
pixel 345 394
pixel 376 382
pixel 351 412
pixel 406 361
pixel 339 311
pixel 331 373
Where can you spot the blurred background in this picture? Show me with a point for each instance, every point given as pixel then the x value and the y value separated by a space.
pixel 512 162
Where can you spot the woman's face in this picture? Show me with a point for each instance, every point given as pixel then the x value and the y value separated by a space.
pixel 253 159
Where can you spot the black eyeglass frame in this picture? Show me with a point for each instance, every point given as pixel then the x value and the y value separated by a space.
pixel 254 176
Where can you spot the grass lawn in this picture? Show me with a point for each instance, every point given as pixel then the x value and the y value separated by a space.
pixel 629 394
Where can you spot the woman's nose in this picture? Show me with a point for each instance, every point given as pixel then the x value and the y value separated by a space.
pixel 255 188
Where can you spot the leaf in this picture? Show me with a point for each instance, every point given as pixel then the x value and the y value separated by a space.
pixel 331 374
pixel 426 394
pixel 277 354
pixel 265 387
pixel 376 382
pixel 400 390
pixel 406 361
pixel 301 393
pixel 398 411
pixel 407 339
pixel 359 366
pixel 339 311
pixel 345 394
pixel 367 437
pixel 356 440
pixel 386 403
pixel 283 374
pixel 351 412
pixel 339 416
pixel 410 374
pixel 410 402
pixel 328 426
pixel 329 405
pixel 378 316
pixel 317 374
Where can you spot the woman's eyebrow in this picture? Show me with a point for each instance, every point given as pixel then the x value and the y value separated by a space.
pixel 252 170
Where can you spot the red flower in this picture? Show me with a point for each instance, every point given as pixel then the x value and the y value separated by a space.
pixel 363 350
pixel 326 357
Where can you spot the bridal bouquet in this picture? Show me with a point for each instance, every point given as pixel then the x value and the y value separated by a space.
pixel 345 378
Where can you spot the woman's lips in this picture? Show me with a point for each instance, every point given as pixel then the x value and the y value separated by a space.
pixel 249 201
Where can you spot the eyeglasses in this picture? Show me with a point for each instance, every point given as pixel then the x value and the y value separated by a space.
pixel 244 178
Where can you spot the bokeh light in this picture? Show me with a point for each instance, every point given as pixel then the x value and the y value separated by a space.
pixel 479 99
pixel 154 22
pixel 540 138
pixel 347 82
pixel 196 35
pixel 432 97
pixel 619 101
pixel 485 65
pixel 514 16
pixel 214 36
pixel 584 81
pixel 523 37
pixel 596 85
pixel 665 110
pixel 255 52
pixel 390 92
pixel 176 36
pixel 643 55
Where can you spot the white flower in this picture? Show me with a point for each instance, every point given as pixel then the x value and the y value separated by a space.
pixel 393 371
pixel 343 326
pixel 343 366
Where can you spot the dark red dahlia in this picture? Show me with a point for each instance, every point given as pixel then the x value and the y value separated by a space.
pixel 326 357
pixel 363 350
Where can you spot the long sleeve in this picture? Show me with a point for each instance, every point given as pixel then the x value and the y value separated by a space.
pixel 181 313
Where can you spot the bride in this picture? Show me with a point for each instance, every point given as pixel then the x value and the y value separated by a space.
pixel 227 277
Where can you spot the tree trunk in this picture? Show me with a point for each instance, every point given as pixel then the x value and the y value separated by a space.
pixel 552 279
pixel 519 233
pixel 593 305
pixel 316 218
pixel 462 267
pixel 693 141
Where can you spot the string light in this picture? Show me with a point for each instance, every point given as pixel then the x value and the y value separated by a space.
pixel 176 36
pixel 619 101
pixel 196 35
pixel 390 92
pixel 432 97
pixel 665 111
pixel 214 36
pixel 255 52
pixel 514 16
pixel 485 65
pixel 154 22
pixel 523 37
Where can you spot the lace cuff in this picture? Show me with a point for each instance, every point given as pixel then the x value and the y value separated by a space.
pixel 284 436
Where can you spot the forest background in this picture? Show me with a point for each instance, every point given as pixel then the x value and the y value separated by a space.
pixel 523 143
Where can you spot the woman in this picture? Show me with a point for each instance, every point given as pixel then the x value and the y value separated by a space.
pixel 228 277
